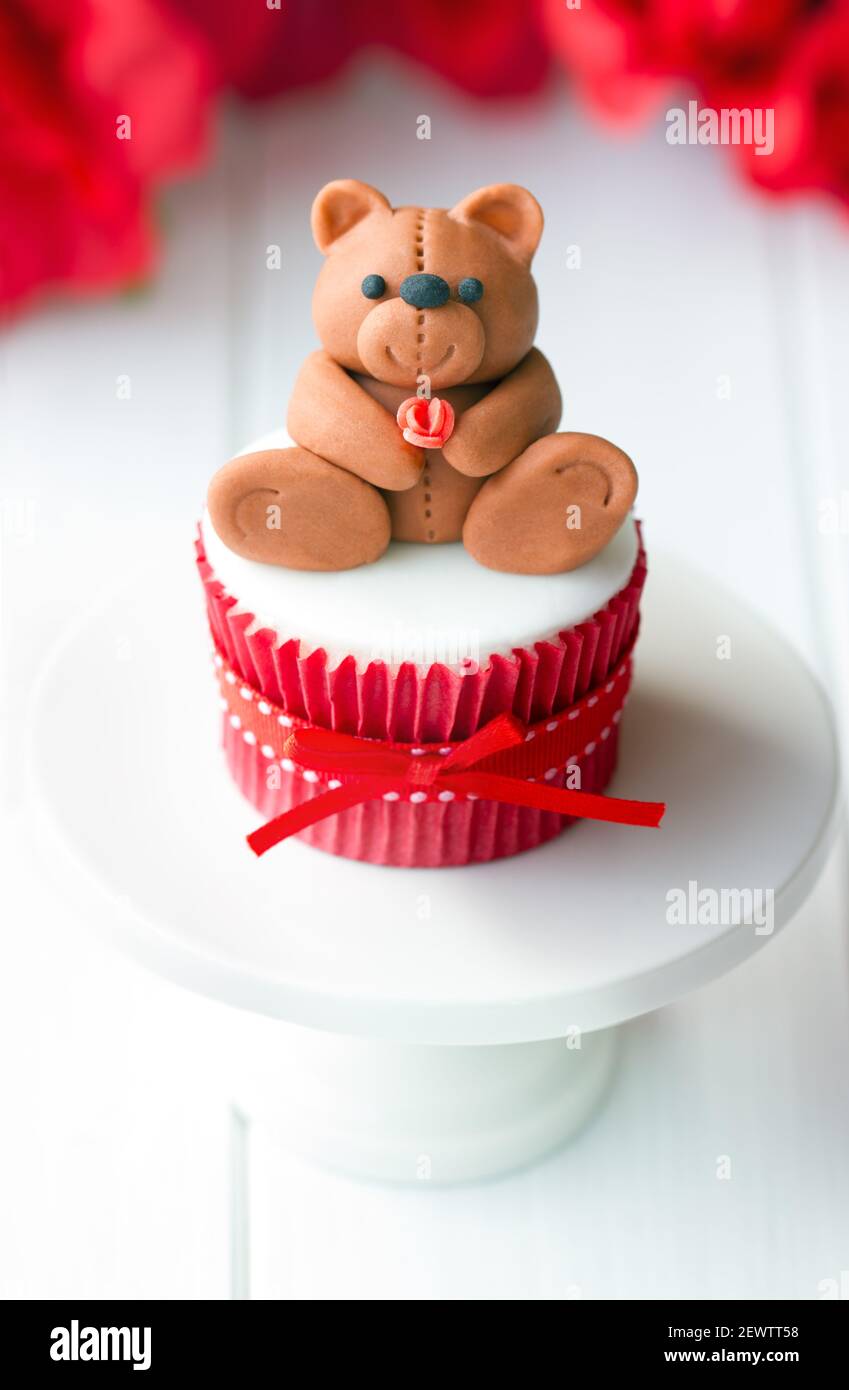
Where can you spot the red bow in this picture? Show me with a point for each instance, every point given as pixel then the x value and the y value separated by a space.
pixel 373 769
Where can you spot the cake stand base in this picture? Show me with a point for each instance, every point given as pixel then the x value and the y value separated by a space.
pixel 415 1113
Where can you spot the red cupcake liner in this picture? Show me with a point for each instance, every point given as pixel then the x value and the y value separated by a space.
pixel 411 704
pixel 400 833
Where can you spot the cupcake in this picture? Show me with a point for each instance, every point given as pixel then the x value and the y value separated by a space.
pixel 424 600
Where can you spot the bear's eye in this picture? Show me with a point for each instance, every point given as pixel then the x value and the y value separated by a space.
pixel 470 289
pixel 374 286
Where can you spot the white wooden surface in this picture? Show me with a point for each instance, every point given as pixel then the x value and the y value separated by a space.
pixel 122 1169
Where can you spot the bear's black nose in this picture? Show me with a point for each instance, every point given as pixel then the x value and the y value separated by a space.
pixel 425 291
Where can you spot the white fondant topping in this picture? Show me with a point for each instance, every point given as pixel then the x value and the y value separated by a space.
pixel 418 603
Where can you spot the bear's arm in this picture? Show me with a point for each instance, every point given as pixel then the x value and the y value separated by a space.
pixel 524 406
pixel 335 418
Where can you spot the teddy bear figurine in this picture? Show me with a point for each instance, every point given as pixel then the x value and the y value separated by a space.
pixel 427 415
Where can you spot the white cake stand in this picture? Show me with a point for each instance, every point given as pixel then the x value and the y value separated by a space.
pixel 449 1024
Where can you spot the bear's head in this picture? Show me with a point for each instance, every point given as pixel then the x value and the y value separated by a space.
pixel 412 293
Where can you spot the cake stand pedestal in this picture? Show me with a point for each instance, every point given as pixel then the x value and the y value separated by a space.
pixel 438 1025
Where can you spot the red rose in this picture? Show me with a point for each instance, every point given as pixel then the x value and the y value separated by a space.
pixel 810 97
pixel 790 57
pixel 261 51
pixel 99 100
pixel 425 423
pixel 487 47
pixel 618 49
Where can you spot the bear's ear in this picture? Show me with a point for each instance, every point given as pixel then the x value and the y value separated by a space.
pixel 340 206
pixel 509 210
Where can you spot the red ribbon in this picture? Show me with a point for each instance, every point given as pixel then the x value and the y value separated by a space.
pixel 373 768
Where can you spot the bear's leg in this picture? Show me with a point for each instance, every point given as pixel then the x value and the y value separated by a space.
pixel 553 508
pixel 289 507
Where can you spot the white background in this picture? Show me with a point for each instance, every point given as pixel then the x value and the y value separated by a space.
pixel 124 1171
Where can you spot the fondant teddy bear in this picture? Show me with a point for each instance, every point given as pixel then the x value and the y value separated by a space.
pixel 427 415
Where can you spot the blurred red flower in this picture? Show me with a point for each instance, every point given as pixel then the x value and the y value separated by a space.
pixel 790 56
pixel 810 95
pixel 99 100
pixel 75 196
pixel 487 47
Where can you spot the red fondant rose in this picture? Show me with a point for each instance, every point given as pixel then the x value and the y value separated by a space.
pixel 426 423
